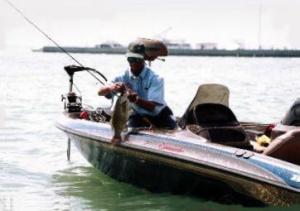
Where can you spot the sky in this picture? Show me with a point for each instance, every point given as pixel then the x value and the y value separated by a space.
pixel 253 23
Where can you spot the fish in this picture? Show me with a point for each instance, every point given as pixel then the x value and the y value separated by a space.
pixel 119 118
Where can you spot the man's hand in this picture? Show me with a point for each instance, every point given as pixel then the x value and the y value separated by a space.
pixel 132 96
pixel 118 87
pixel 108 89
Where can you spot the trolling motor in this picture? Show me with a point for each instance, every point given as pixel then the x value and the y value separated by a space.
pixel 72 102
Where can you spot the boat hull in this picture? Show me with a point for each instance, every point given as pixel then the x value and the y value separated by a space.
pixel 157 174
pixel 160 172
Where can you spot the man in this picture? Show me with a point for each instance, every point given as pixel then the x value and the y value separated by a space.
pixel 145 93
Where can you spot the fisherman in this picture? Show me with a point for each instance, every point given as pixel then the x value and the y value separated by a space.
pixel 145 92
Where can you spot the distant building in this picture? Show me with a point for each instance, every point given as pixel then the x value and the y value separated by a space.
pixel 172 44
pixel 109 44
pixel 206 45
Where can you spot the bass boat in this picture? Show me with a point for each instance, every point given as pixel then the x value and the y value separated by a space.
pixel 210 154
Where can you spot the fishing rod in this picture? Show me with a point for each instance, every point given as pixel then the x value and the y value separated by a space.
pixel 89 70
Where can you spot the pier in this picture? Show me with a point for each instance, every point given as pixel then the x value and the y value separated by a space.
pixel 185 52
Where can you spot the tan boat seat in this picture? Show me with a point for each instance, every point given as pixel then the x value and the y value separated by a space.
pixel 286 147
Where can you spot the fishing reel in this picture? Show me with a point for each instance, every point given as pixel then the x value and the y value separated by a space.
pixel 72 102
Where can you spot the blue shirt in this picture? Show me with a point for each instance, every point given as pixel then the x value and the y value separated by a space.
pixel 148 86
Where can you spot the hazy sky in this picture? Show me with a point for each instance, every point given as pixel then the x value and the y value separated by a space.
pixel 90 22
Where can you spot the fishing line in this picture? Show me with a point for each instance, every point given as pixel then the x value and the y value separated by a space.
pixel 55 43
pixel 76 87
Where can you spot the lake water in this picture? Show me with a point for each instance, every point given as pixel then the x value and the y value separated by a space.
pixel 34 171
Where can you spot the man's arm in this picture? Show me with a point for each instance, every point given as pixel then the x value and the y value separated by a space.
pixel 108 89
pixel 155 95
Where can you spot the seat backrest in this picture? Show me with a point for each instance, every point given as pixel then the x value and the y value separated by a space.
pixel 212 114
pixel 206 93
pixel 285 147
pixel 212 93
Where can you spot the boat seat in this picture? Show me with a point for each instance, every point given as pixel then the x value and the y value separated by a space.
pixel 234 137
pixel 285 147
pixel 219 125
pixel 206 93
pixel 213 114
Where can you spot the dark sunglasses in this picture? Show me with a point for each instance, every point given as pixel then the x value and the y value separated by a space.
pixel 134 60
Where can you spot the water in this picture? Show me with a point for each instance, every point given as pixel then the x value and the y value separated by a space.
pixel 34 171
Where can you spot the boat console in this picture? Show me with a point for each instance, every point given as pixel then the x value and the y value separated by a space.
pixel 292 117
pixel 285 136
pixel 290 121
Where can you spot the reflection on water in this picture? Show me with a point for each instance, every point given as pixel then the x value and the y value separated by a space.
pixel 97 191
pixel 34 171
